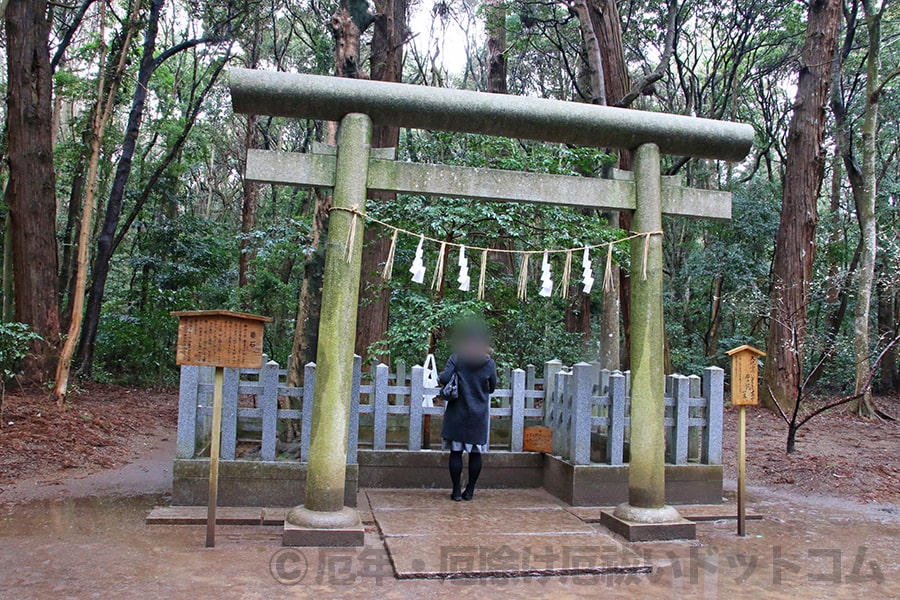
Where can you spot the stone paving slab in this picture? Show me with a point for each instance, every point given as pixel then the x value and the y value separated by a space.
pixel 508 555
pixel 459 517
pixel 485 499
pixel 692 512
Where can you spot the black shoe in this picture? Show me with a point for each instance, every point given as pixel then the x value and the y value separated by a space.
pixel 468 494
pixel 456 497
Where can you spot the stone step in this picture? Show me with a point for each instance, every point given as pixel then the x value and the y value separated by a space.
pixel 225 515
pixel 692 512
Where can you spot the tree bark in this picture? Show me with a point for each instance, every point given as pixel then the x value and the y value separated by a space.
pixel 592 52
pixel 103 110
pixel 616 302
pixel 711 338
pixel 388 38
pixel 865 213
pixel 31 192
pixel 495 27
pixel 103 257
pixel 889 376
pixel 250 189
pixel 71 232
pixel 795 240
pixel 347 24
pixel 249 208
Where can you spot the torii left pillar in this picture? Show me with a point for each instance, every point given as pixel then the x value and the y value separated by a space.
pixel 323 520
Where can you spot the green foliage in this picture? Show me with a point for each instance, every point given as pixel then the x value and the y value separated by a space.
pixel 15 340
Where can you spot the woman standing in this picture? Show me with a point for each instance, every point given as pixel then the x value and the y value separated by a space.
pixel 466 418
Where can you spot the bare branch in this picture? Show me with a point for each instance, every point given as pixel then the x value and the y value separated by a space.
pixel 69 34
pixel 778 405
pixel 186 45
pixel 668 49
pixel 867 385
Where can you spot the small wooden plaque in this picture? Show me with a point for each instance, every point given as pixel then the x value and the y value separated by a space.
pixel 219 338
pixel 745 375
pixel 538 439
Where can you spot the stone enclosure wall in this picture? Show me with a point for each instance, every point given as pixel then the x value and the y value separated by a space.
pixel 265 441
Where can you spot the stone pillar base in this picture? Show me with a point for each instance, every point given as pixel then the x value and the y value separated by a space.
pixel 304 527
pixel 637 524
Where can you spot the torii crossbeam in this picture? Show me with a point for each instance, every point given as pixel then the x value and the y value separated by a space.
pixel 355 169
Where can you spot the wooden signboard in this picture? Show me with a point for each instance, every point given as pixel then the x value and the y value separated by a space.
pixel 744 393
pixel 745 375
pixel 538 439
pixel 219 338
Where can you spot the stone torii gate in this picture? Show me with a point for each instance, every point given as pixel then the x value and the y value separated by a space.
pixel 355 168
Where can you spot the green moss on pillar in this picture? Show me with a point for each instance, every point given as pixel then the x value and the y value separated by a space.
pixel 646 478
pixel 337 326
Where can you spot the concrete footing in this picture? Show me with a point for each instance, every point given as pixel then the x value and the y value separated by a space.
pixel 304 527
pixel 637 524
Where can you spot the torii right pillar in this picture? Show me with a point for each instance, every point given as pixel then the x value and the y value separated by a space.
pixel 646 516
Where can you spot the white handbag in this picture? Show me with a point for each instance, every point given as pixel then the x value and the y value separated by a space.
pixel 430 375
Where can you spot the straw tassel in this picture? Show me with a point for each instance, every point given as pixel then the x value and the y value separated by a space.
pixel 523 277
pixel 481 274
pixel 646 254
pixel 388 271
pixel 566 274
pixel 439 269
pixel 607 272
pixel 351 236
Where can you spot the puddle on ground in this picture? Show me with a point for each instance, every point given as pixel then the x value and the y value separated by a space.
pixel 101 548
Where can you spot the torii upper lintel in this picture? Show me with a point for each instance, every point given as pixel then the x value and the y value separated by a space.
pixel 422 107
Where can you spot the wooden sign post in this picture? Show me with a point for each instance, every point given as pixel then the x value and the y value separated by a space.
pixel 220 339
pixel 744 393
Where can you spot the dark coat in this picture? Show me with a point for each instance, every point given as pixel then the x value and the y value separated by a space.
pixel 466 418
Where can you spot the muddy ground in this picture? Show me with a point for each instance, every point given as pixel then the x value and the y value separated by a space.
pixel 837 454
pixel 99 428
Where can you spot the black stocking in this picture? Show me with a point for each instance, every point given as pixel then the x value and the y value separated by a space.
pixel 474 471
pixel 456 470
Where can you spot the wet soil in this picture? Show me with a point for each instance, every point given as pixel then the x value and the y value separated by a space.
pixel 100 428
pixel 837 454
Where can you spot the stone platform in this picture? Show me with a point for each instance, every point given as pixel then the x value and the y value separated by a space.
pixel 501 533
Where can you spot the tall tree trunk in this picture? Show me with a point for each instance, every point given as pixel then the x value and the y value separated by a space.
pixel 795 240
pixel 608 32
pixel 249 208
pixel 610 333
pixel 495 27
pixel 347 24
pixel 105 240
pixel 592 52
pixel 71 232
pixel 309 306
pixel 388 37
pixel 865 213
pixel 31 192
pixel 106 99
pixel 889 376
pixel 711 338
pixel 9 306
pixel 250 189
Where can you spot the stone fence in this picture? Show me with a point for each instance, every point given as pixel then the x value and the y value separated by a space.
pixel 586 407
